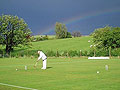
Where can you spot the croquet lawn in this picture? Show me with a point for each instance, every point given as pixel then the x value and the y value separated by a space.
pixel 61 74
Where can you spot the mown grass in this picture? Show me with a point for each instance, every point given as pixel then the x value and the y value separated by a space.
pixel 61 74
pixel 63 44
pixel 80 43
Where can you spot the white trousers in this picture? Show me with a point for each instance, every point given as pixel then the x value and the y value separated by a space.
pixel 44 64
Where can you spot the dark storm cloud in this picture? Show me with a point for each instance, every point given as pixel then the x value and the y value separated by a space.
pixel 42 14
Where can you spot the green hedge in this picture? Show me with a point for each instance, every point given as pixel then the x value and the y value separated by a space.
pixel 71 53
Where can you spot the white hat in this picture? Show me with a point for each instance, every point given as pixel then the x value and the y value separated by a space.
pixel 38 51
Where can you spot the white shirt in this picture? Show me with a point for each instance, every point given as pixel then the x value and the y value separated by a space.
pixel 42 55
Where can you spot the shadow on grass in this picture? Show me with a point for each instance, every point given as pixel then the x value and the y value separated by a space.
pixel 49 67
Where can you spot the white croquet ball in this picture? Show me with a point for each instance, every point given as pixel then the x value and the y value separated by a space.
pixel 16 69
pixel 98 72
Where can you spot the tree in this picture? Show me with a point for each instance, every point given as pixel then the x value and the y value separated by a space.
pixel 107 37
pixel 99 36
pixel 13 31
pixel 61 30
pixel 114 37
pixel 69 35
pixel 76 34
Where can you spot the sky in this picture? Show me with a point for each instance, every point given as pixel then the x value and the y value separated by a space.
pixel 78 15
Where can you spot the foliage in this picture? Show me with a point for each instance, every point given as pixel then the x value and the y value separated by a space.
pixel 98 52
pixel 115 52
pixel 76 34
pixel 72 53
pixel 69 35
pixel 39 38
pixel 107 37
pixel 61 31
pixel 13 31
pixel 114 37
pixel 50 53
pixel 57 53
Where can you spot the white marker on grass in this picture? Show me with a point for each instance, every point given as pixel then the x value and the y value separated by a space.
pixel 106 67
pixel 25 67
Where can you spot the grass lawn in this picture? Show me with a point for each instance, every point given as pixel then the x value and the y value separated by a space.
pixel 61 74
pixel 79 43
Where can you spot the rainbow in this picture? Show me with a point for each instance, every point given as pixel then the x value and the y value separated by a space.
pixel 76 19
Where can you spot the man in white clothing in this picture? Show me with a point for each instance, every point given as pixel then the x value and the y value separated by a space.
pixel 43 57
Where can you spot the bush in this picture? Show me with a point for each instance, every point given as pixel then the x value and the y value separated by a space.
pixel 115 52
pixel 57 53
pixel 63 53
pixel 39 38
pixel 102 52
pixel 50 53
pixel 91 53
pixel 45 37
pixel 85 53
pixel 72 53
pixel 69 35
